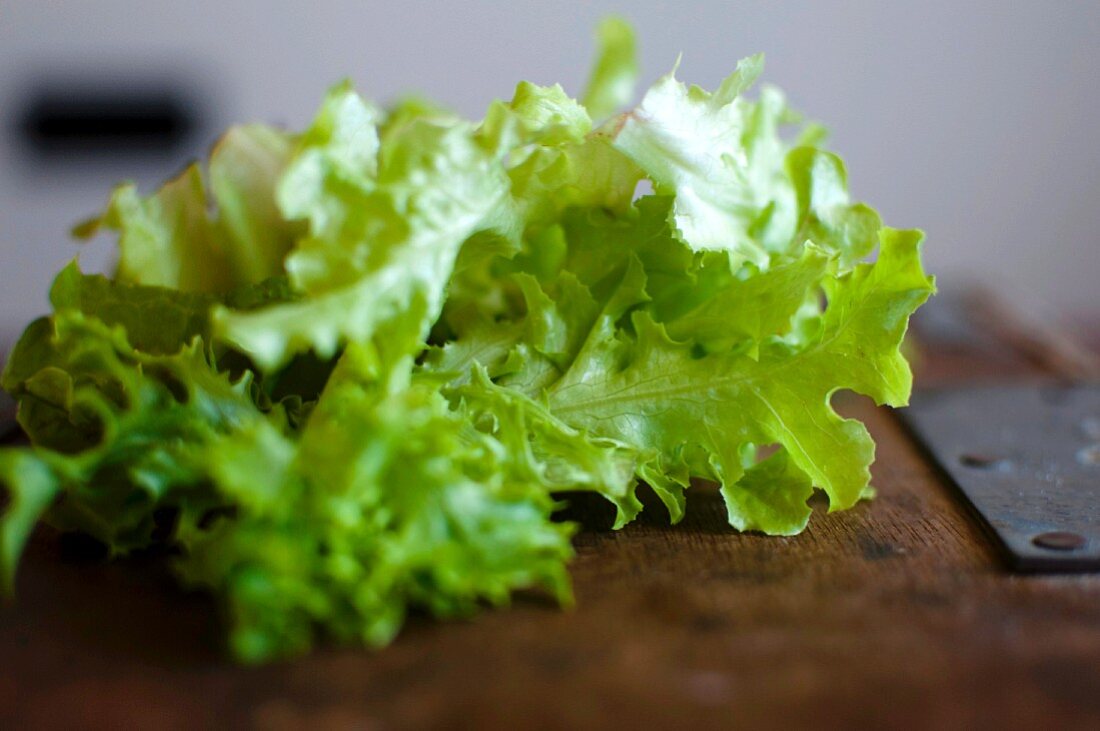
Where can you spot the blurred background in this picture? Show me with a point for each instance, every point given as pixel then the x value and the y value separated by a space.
pixel 973 120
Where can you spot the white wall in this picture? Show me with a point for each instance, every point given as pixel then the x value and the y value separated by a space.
pixel 974 120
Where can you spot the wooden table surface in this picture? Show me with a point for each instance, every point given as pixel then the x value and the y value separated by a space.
pixel 896 614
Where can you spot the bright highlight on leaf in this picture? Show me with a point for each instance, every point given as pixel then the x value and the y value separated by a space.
pixel 355 370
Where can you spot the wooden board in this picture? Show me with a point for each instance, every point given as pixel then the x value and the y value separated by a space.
pixel 896 614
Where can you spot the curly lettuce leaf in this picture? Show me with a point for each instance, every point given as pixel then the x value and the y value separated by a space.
pixel 738 187
pixel 648 390
pixel 156 319
pixel 166 239
pixel 173 239
pixel 387 500
pixel 615 71
pixel 692 142
pixel 552 454
pixel 386 221
pixel 750 306
pixel 118 434
pixel 32 486
pixel 243 166
pixel 352 372
pixel 827 215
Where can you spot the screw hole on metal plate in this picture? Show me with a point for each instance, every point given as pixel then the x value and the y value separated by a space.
pixel 1060 540
pixel 980 461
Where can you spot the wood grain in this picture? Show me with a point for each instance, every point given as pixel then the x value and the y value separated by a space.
pixel 897 614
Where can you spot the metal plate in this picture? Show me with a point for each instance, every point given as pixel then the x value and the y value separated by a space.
pixel 1028 459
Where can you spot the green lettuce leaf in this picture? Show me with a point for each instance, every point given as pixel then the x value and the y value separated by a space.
pixel 166 239
pixel 633 388
pixel 156 319
pixel 691 142
pixel 118 434
pixel 386 223
pixel 352 372
pixel 172 239
pixel 615 71
pixel 387 500
pixel 243 166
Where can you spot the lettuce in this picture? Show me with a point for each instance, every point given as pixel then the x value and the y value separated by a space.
pixel 354 371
